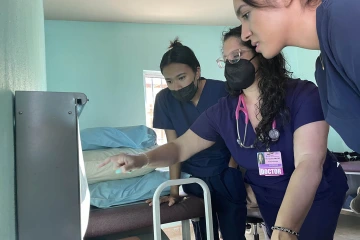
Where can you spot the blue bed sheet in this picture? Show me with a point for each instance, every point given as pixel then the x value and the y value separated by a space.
pixel 109 137
pixel 119 192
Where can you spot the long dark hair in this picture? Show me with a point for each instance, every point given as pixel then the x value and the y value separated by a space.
pixel 273 76
pixel 269 3
pixel 179 53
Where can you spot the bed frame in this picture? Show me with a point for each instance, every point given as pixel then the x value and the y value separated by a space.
pixel 144 222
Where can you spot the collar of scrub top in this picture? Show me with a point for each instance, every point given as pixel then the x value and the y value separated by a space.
pixel 274 133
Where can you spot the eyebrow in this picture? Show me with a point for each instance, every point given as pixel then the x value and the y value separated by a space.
pixel 176 76
pixel 238 11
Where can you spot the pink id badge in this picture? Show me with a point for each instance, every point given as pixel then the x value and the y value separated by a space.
pixel 270 164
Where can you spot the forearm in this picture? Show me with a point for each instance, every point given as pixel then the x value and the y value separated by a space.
pixel 299 196
pixel 175 172
pixel 164 156
pixel 178 150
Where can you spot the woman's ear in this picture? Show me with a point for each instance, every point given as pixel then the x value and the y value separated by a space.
pixel 198 73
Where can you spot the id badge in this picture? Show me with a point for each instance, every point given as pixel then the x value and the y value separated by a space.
pixel 270 164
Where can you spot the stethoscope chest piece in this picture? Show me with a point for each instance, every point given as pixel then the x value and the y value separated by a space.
pixel 274 134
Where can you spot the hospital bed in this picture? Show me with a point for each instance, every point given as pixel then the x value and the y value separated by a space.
pixel 141 221
pixel 48 186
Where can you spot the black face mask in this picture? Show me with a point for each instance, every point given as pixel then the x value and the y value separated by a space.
pixel 186 93
pixel 240 75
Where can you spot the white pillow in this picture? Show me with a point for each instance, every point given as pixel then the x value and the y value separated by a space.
pixel 92 158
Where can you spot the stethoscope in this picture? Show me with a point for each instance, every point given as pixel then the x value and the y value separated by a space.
pixel 274 134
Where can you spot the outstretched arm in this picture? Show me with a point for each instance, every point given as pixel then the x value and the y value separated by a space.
pixel 166 155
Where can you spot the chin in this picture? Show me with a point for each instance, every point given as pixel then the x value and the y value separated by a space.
pixel 270 53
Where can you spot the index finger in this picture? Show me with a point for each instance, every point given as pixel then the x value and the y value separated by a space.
pixel 107 161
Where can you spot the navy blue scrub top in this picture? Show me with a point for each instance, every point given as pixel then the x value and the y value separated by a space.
pixel 172 114
pixel 305 107
pixel 337 23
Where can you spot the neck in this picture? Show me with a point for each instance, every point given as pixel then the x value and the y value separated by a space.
pixel 303 32
pixel 200 85
pixel 252 93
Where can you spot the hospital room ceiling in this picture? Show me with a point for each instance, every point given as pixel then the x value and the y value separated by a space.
pixel 194 12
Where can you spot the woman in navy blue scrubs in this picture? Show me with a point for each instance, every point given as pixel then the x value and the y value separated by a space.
pixel 299 186
pixel 331 26
pixel 176 109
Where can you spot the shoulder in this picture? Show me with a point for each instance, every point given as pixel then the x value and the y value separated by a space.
pixel 225 104
pixel 339 13
pixel 299 91
pixel 298 86
pixel 343 20
pixel 340 7
pixel 216 82
pixel 222 112
pixel 343 14
pixel 228 100
pixel 217 86
pixel 303 101
pixel 163 94
pixel 163 99
pixel 332 14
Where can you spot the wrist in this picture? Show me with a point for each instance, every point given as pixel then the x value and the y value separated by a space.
pixel 145 160
pixel 174 195
pixel 282 222
pixel 283 233
pixel 278 235
pixel 141 160
pixel 174 191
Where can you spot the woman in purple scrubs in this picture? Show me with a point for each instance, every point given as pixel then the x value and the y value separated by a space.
pixel 299 186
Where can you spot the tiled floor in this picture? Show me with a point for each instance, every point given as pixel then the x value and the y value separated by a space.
pixel 174 233
pixel 348 229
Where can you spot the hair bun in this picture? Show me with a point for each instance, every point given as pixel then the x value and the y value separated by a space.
pixel 175 43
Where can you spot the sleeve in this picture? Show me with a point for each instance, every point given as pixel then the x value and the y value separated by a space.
pixel 161 118
pixel 344 37
pixel 207 124
pixel 307 106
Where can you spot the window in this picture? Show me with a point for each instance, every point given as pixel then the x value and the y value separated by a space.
pixel 154 82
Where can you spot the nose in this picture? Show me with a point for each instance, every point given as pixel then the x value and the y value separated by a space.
pixel 177 86
pixel 245 32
